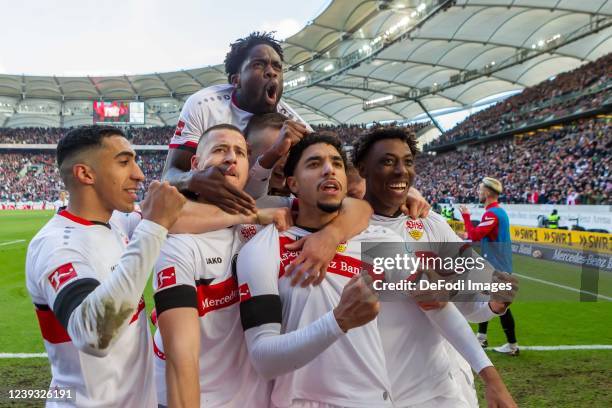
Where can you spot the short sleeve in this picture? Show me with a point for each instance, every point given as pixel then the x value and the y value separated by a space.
pixel 174 283
pixel 191 125
pixel 67 273
pixel 258 265
pixel 257 273
pixel 176 264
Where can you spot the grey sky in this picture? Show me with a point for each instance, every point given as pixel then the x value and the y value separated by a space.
pixel 106 37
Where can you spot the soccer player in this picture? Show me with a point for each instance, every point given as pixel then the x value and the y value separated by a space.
pixel 494 234
pixel 62 202
pixel 385 158
pixel 196 292
pixel 314 362
pixel 356 184
pixel 254 68
pixel 87 267
pixel 201 358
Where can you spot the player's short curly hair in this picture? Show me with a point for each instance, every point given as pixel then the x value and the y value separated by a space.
pixel 363 145
pixel 241 47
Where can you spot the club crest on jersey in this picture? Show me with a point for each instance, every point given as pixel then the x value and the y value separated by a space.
pixel 166 277
pixel 62 275
pixel 247 232
pixel 415 228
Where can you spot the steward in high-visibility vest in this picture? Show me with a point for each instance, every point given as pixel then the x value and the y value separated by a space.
pixel 553 220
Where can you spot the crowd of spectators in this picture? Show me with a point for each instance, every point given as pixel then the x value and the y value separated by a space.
pixel 584 88
pixel 34 177
pixel 161 135
pixel 348 134
pixel 567 164
pixel 560 165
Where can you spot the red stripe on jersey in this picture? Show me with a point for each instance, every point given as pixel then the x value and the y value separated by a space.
pixel 341 264
pixel 158 352
pixel 72 217
pixel 191 144
pixel 50 328
pixel 141 306
pixel 217 296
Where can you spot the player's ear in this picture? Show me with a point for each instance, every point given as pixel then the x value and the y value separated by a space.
pixel 235 80
pixel 83 174
pixel 194 162
pixel 292 184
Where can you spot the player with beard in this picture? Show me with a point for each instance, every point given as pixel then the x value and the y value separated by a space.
pixel 201 357
pixel 297 335
pixel 385 158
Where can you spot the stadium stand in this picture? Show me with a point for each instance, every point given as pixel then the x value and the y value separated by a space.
pixel 574 155
pixel 582 89
pixel 566 164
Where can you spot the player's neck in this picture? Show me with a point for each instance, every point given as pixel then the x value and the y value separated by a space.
pixel 489 201
pixel 88 209
pixel 314 218
pixel 382 208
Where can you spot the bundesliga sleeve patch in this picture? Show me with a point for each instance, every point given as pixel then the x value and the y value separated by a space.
pixel 62 275
pixel 245 292
pixel 179 128
pixel 166 277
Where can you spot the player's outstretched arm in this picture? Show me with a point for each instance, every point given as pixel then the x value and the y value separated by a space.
pixel 451 324
pixel 180 332
pixel 318 249
pixel 496 393
pixel 198 218
pixel 272 353
pixel 95 313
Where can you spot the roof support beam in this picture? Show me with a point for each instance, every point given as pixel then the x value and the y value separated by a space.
pixel 163 81
pixel 433 120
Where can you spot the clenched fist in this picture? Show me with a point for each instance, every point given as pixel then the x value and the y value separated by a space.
pixel 358 303
pixel 162 204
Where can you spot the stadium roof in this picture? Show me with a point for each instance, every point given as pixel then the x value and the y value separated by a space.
pixel 363 60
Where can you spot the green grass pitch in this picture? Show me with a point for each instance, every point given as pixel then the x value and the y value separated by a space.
pixel 569 378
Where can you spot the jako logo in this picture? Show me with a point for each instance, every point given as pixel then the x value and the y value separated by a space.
pixel 214 261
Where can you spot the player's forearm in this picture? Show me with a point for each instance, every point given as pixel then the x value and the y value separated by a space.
pixel 476 311
pixel 259 181
pixel 177 177
pixel 354 217
pixel 183 382
pixel 198 218
pixel 98 320
pixel 274 354
pixel 457 331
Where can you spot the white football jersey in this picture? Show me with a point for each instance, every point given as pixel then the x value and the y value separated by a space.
pixel 204 263
pixel 214 106
pixel 436 361
pixel 352 371
pixel 70 251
